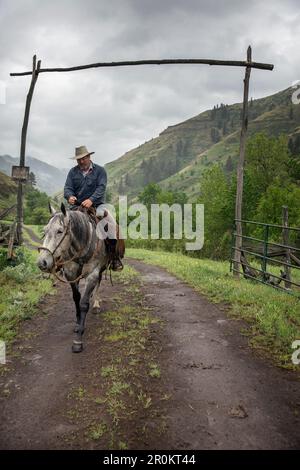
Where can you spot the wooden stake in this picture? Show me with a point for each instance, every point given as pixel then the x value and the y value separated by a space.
pixel 11 241
pixel 295 259
pixel 240 169
pixel 285 238
pixel 34 77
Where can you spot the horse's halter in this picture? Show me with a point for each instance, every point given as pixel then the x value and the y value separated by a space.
pixel 62 263
pixel 66 231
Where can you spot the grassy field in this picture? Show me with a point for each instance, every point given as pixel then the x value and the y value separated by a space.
pixel 22 286
pixel 273 317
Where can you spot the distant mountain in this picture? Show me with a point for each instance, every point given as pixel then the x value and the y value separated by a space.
pixel 177 157
pixel 49 178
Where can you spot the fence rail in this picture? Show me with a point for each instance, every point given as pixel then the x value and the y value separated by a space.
pixel 264 251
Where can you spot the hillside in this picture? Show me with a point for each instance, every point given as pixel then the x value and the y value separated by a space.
pixel 177 157
pixel 8 191
pixel 49 178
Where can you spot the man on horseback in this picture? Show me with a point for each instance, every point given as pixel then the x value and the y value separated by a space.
pixel 85 186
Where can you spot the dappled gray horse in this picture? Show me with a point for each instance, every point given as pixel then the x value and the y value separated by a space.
pixel 71 247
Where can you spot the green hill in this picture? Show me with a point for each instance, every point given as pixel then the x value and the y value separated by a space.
pixel 177 157
pixel 8 191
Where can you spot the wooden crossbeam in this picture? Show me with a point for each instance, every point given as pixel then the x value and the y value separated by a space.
pixel 234 63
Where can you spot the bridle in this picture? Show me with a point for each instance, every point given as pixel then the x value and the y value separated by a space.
pixel 57 265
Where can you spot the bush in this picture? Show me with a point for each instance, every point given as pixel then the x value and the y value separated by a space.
pixel 3 258
pixel 18 273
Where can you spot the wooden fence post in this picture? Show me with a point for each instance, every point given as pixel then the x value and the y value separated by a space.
pixel 285 238
pixel 34 77
pixel 11 241
pixel 240 169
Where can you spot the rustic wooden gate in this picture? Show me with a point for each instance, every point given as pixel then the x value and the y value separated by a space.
pixel 266 252
pixel 248 64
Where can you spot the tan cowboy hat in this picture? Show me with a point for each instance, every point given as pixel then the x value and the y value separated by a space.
pixel 81 152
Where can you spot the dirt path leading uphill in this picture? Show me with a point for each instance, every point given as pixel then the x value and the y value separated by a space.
pixel 162 368
pixel 31 240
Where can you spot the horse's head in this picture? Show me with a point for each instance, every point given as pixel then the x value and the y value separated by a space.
pixel 56 240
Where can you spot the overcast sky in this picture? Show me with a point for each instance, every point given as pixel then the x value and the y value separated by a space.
pixel 113 110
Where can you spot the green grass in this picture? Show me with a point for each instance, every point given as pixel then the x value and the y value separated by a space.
pixel 275 269
pixel 154 371
pixel 273 316
pixel 22 287
pixel 107 371
pixel 97 431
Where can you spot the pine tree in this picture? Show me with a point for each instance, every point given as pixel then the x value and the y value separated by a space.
pixel 32 179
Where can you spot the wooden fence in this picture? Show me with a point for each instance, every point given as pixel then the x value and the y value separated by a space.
pixel 268 253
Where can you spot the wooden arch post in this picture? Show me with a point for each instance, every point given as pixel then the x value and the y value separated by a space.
pixel 34 77
pixel 240 170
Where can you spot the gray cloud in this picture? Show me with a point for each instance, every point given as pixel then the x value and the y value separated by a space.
pixel 114 110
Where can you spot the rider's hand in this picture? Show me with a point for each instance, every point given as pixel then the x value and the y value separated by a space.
pixel 72 200
pixel 87 203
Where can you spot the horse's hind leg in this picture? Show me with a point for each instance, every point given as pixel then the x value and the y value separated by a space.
pixel 96 299
pixel 76 298
pixel 90 284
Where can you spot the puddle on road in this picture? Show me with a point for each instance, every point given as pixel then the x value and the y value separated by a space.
pixel 156 278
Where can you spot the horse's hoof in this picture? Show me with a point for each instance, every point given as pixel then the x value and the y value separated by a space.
pixel 76 328
pixel 77 347
pixel 96 310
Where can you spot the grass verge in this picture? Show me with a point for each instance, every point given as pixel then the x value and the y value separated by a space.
pixel 273 316
pixel 22 286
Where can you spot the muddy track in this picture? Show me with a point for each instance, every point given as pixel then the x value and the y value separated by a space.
pixel 183 379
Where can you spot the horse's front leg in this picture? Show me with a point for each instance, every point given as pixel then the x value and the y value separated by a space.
pixel 72 271
pixel 76 298
pixel 90 284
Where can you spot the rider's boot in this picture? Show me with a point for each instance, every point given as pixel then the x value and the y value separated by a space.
pixel 115 261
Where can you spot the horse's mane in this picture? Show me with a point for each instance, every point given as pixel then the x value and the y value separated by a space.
pixel 79 224
pixel 80 227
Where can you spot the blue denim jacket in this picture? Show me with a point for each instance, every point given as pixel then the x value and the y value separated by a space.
pixel 92 186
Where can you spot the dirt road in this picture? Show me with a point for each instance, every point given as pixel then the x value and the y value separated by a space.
pixel 162 368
